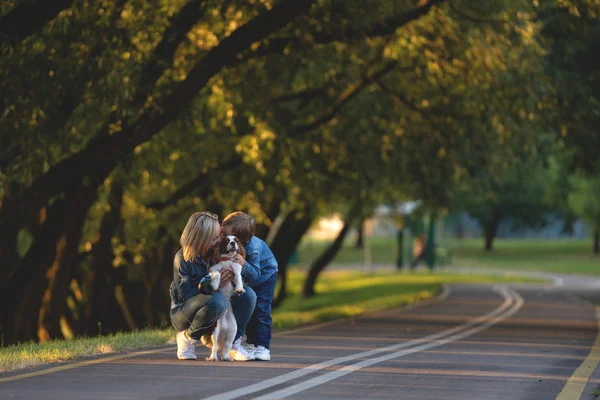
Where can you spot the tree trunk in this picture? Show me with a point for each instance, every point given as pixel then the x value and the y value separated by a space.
pixel 490 229
pixel 458 227
pixel 161 300
pixel 325 258
pixel 284 243
pixel 29 17
pixel 21 296
pixel 597 241
pixel 63 267
pixel 102 313
pixel 360 236
pixel 160 256
pixel 323 261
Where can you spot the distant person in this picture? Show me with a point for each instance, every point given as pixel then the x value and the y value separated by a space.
pixel 260 272
pixel 195 307
pixel 419 245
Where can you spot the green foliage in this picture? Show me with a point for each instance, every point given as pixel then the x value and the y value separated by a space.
pixel 585 199
pixel 357 102
pixel 516 192
pixel 572 30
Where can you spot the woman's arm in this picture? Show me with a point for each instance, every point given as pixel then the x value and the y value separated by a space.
pixel 193 280
pixel 186 288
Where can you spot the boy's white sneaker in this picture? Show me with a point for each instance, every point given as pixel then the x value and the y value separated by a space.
pixel 239 353
pixel 262 353
pixel 249 347
pixel 186 347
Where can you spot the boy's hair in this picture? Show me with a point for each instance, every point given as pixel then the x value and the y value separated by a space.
pixel 198 235
pixel 240 224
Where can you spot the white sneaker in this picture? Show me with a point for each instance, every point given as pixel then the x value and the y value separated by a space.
pixel 262 353
pixel 186 347
pixel 238 353
pixel 249 347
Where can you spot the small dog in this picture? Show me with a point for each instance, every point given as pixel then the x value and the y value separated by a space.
pixel 224 333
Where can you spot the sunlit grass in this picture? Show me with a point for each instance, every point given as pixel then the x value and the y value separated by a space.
pixel 32 354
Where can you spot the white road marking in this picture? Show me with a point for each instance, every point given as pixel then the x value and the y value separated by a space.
pixel 300 387
pixel 508 307
pixel 558 281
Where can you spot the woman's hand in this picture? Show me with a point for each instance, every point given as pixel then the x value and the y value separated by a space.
pixel 239 259
pixel 226 277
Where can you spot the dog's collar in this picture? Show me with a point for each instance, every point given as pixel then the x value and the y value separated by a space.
pixel 224 259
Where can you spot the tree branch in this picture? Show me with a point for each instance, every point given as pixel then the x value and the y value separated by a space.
pixel 471 18
pixel 387 27
pixel 105 151
pixel 198 184
pixel 27 18
pixel 344 98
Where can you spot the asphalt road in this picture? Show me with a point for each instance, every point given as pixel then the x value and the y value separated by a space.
pixel 472 342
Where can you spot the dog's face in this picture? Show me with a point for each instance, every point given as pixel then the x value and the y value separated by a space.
pixel 230 245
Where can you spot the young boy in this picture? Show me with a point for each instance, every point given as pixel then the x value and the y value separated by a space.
pixel 260 272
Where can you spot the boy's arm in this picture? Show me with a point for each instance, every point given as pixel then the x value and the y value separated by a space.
pixel 251 269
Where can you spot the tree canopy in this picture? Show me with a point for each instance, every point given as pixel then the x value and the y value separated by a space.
pixel 122 117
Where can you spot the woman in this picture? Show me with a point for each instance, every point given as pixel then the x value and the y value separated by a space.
pixel 195 307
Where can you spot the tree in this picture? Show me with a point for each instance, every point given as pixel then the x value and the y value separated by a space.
pixel 572 30
pixel 84 170
pixel 585 202
pixel 515 193
pixel 133 117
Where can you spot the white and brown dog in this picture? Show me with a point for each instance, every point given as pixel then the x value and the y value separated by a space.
pixel 226 328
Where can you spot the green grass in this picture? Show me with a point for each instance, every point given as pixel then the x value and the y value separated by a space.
pixel 568 256
pixel 32 354
pixel 383 251
pixel 340 294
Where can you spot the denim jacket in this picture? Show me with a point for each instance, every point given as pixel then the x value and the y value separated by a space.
pixel 260 262
pixel 189 279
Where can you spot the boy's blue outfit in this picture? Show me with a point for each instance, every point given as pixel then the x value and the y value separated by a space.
pixel 260 273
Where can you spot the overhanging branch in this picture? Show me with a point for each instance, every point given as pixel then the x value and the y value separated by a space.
pixel 344 98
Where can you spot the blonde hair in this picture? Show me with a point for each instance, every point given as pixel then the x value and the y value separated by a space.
pixel 240 224
pixel 198 235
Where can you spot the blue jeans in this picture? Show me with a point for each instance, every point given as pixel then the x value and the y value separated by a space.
pixel 199 313
pixel 260 326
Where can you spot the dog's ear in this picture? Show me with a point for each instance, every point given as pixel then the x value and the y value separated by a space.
pixel 223 246
pixel 241 250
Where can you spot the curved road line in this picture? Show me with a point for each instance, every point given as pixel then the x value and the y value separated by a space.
pixel 576 383
pixel 512 303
